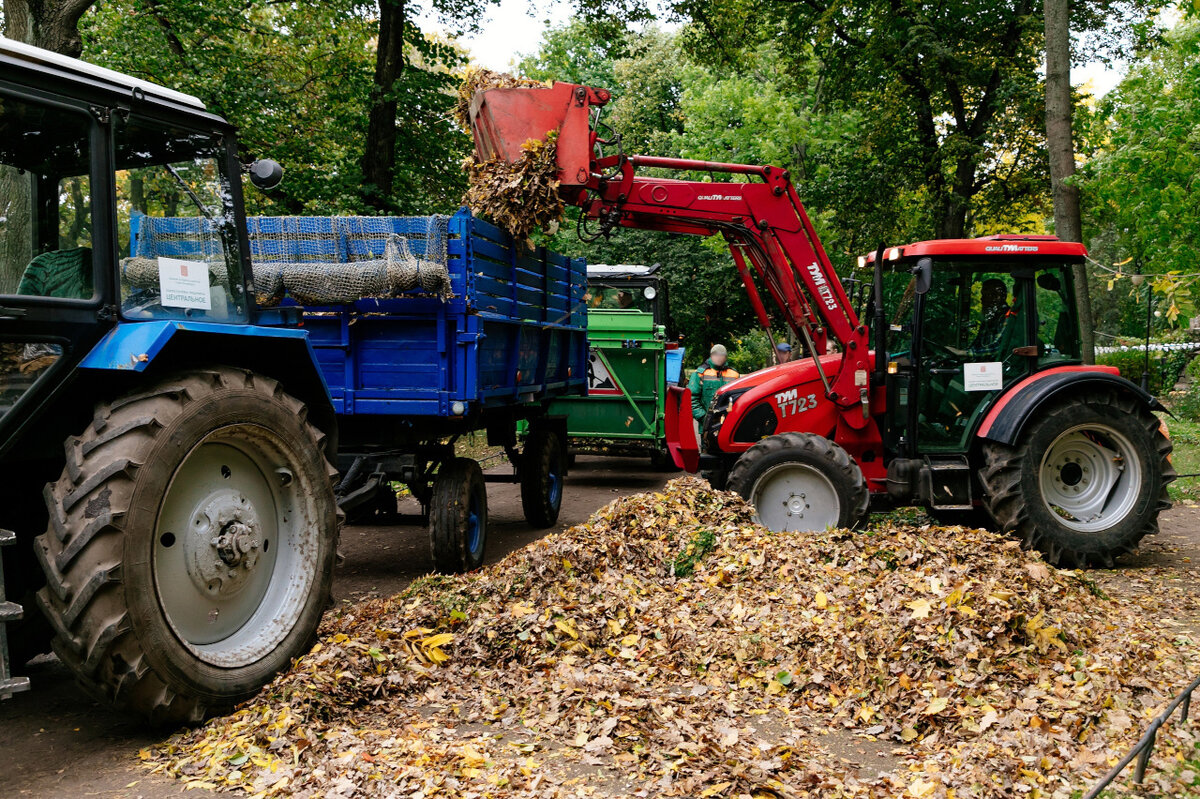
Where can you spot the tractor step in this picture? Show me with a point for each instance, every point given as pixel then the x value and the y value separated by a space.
pixel 9 612
pixel 949 486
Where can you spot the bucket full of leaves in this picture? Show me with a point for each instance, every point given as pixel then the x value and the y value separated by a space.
pixel 518 194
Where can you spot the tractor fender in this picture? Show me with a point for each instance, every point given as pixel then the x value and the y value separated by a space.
pixel 284 354
pixel 1006 420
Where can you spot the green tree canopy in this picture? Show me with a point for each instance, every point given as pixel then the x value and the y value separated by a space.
pixel 1140 186
pixel 294 79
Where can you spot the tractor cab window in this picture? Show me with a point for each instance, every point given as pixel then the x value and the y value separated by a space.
pixel 618 296
pixel 45 201
pixel 898 302
pixel 974 327
pixel 46 224
pixel 1057 325
pixel 175 225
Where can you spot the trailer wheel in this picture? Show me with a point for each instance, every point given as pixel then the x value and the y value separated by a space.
pixel 542 477
pixel 1086 482
pixel 799 482
pixel 458 516
pixel 191 544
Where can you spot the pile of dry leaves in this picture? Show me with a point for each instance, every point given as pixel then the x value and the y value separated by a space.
pixel 670 647
pixel 521 196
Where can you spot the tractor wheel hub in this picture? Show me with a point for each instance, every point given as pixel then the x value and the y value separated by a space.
pixel 224 544
pixel 796 504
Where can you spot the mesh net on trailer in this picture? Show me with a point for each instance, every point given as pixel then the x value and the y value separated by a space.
pixel 325 260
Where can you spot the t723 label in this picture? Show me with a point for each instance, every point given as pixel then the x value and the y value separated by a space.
pixel 792 402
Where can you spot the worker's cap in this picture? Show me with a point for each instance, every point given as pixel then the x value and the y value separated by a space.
pixel 718 349
pixel 783 346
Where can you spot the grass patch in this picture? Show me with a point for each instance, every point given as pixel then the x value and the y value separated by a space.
pixel 697 548
pixel 1185 435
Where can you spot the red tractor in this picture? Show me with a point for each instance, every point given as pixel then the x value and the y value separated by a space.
pixel 980 410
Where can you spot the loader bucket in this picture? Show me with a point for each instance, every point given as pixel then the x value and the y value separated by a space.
pixel 681 431
pixel 504 119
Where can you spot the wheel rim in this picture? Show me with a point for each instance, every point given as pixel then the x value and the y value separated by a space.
pixel 235 546
pixel 795 497
pixel 1090 477
pixel 474 529
pixel 554 481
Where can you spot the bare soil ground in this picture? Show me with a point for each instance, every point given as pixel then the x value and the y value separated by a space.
pixel 60 743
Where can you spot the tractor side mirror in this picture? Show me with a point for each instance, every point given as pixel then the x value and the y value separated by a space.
pixel 265 174
pixel 923 272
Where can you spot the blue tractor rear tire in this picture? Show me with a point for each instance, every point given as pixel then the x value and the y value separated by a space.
pixel 191 543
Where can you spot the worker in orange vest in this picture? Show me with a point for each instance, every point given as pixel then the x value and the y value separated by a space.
pixel 711 375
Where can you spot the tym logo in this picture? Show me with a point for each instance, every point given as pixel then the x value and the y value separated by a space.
pixel 823 290
pixel 786 396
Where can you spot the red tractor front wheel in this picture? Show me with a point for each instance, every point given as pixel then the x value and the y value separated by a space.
pixel 799 482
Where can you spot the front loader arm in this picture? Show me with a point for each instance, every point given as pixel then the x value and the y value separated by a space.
pixel 770 236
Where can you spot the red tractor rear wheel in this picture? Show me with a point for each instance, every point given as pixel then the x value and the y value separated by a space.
pixel 1085 483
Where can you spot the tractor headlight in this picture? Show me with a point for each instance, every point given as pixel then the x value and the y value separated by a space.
pixel 723 402
pixel 650 292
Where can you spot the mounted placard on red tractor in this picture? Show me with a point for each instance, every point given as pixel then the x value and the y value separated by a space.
pixel 952 379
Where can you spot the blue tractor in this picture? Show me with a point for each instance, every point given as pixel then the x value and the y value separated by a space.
pixel 168 445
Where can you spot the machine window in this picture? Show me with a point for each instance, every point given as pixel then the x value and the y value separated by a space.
pixel 175 232
pixel 46 214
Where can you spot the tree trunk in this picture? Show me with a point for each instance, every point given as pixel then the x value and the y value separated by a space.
pixel 379 157
pixel 1060 145
pixel 16 231
pixel 50 24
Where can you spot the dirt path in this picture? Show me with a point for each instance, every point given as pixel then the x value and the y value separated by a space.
pixel 1165 573
pixel 58 742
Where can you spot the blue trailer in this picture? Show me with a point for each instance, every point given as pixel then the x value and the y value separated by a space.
pixel 499 333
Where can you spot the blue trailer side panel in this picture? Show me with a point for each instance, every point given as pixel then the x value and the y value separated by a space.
pixel 513 331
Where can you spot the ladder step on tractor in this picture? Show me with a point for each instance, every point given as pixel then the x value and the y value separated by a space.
pixel 9 612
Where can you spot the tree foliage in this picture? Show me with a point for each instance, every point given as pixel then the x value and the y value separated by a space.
pixel 295 79
pixel 1140 185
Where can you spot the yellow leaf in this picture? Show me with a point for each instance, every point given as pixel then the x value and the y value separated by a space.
pixel 921 788
pixel 567 626
pixel 713 790
pixel 821 600
pixel 936 706
pixel 441 639
pixel 521 609
pixel 473 757
pixel 919 607
pixel 631 639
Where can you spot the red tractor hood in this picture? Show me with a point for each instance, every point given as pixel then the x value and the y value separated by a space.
pixel 785 375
